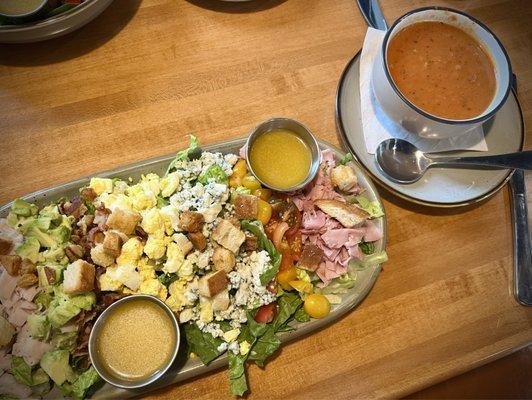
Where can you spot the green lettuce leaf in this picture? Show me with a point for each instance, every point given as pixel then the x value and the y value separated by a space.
pixel 341 284
pixel 21 371
pixel 301 315
pixel 167 279
pixel 264 243
pixel 204 345
pixel 191 152
pixel 84 382
pixel 368 261
pixel 287 305
pixel 373 208
pixel 213 172
pixel 347 158
pixel 65 341
pixel 367 247
pixel 39 326
pixel 264 347
pixel 237 373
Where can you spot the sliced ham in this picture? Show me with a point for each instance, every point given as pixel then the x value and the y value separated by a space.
pixel 10 234
pixel 336 238
pixel 30 349
pixel 372 232
pixel 5 361
pixel 17 316
pixel 10 386
pixel 8 284
pixel 313 220
pixel 27 294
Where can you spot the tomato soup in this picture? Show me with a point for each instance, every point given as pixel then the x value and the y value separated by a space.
pixel 280 158
pixel 442 70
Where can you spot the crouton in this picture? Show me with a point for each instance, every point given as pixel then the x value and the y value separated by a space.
pixel 213 283
pixel 183 242
pixel 78 277
pixel 74 252
pixel 191 221
pixel 198 240
pixel 223 259
pixel 311 257
pixel 221 301
pixel 246 206
pixel 251 243
pixel 348 215
pixel 11 263
pixel 27 280
pixel 124 221
pixel 100 257
pixel 234 221
pixel 344 178
pixel 27 267
pixel 112 244
pixel 5 246
pixel 228 236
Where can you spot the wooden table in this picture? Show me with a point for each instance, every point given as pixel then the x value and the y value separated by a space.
pixel 134 82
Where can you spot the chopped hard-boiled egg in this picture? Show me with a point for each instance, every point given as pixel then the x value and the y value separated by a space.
pixel 101 185
pixel 230 336
pixel 155 246
pixel 154 288
pixel 131 252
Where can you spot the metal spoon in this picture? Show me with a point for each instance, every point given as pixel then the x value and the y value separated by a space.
pixel 402 162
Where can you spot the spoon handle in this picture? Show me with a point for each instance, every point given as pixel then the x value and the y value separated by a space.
pixel 522 245
pixel 520 160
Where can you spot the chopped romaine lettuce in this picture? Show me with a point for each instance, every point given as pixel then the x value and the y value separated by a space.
pixel 347 158
pixel 21 371
pixel 368 260
pixel 204 345
pixel 373 208
pixel 39 326
pixel 23 208
pixel 189 153
pixel 367 247
pixel 55 364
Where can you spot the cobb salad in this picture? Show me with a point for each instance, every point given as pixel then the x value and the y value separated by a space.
pixel 236 262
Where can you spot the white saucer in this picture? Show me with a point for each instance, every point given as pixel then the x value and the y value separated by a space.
pixel 440 187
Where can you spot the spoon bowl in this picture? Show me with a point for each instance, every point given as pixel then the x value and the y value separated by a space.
pixel 402 162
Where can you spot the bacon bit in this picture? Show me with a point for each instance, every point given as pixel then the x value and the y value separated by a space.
pixel 88 194
pixel 141 233
pixel 50 275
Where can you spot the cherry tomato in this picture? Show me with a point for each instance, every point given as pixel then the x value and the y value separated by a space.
pixel 292 216
pixel 250 182
pixel 286 276
pixel 240 169
pixel 317 306
pixel 264 212
pixel 263 193
pixel 269 228
pixel 296 244
pixel 302 286
pixel 287 260
pixel 265 314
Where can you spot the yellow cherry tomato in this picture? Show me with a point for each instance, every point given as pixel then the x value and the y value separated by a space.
pixel 302 286
pixel 250 182
pixel 317 306
pixel 263 193
pixel 264 212
pixel 286 276
pixel 240 169
pixel 235 181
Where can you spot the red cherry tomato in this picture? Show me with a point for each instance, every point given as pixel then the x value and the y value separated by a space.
pixel 296 245
pixel 266 314
pixel 287 261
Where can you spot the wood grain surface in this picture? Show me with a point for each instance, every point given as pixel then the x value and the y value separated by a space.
pixel 131 85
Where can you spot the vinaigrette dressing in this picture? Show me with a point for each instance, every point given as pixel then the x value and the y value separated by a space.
pixel 280 158
pixel 136 340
